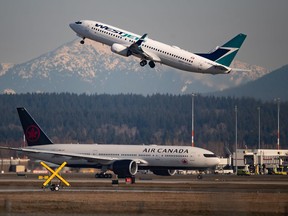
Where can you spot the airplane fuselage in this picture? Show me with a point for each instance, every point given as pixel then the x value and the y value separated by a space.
pixel 147 156
pixel 154 51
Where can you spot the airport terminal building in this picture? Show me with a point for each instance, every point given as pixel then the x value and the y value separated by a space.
pixel 261 161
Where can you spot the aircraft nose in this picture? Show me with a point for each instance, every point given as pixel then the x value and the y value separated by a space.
pixel 72 26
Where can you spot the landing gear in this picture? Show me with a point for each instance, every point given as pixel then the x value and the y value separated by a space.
pixel 143 63
pixel 82 41
pixel 151 64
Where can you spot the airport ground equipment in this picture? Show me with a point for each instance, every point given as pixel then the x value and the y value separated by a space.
pixel 54 187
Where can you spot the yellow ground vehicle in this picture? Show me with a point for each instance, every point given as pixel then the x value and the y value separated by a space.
pixel 279 171
pixel 244 172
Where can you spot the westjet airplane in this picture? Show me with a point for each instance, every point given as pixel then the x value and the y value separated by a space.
pixel 126 44
pixel 123 160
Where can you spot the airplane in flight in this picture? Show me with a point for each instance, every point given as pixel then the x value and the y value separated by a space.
pixel 126 43
pixel 123 160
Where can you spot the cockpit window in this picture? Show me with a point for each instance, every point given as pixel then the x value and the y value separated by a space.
pixel 78 22
pixel 209 155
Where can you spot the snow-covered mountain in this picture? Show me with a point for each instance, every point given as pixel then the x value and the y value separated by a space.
pixel 93 68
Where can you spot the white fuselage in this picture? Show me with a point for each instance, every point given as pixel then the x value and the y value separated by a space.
pixel 147 156
pixel 158 52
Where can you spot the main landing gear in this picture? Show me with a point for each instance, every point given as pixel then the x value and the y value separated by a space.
pixel 144 62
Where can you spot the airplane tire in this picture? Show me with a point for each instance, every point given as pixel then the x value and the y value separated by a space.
pixel 151 64
pixel 82 41
pixel 143 63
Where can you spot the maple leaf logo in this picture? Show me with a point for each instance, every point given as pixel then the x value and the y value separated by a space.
pixel 184 161
pixel 32 133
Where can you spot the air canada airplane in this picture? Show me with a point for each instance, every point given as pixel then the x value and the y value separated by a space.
pixel 123 160
pixel 126 44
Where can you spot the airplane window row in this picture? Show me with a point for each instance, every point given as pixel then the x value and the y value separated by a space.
pixel 144 155
pixel 104 154
pixel 149 47
pixel 167 53
pixel 129 155
pixel 109 33
pixel 176 156
pixel 140 155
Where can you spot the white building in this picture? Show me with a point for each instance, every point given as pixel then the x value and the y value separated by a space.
pixel 259 157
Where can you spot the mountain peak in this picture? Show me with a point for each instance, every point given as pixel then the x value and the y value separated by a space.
pixel 4 67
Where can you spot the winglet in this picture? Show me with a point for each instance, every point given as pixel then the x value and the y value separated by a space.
pixel 33 132
pixel 141 40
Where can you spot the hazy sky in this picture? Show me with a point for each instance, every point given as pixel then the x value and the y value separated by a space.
pixel 29 28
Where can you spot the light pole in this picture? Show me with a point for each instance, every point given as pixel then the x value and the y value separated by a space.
pixel 192 133
pixel 236 139
pixel 259 128
pixel 278 124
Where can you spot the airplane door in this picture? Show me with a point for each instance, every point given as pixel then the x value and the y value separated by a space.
pixel 200 66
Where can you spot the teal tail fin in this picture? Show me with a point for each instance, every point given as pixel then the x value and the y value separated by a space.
pixel 226 53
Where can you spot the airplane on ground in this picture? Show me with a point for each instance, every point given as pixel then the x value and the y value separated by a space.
pixel 126 44
pixel 123 160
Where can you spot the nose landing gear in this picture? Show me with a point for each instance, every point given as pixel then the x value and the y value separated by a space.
pixel 82 41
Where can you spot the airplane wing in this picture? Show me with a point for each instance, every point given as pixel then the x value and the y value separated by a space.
pixel 136 49
pixel 88 158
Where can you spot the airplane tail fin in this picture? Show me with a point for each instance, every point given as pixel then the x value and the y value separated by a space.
pixel 33 132
pixel 226 53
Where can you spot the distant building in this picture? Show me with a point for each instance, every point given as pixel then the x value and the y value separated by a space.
pixel 261 158
pixel 10 164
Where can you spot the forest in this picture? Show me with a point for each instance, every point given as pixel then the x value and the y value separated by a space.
pixel 153 119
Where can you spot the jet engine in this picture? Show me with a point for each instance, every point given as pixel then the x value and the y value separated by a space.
pixel 125 168
pixel 120 50
pixel 163 172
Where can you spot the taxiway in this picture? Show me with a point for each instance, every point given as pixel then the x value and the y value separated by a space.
pixel 151 195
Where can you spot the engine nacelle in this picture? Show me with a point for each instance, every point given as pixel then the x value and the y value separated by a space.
pixel 125 168
pixel 164 172
pixel 120 49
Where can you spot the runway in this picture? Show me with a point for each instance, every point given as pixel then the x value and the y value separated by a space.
pixel 151 195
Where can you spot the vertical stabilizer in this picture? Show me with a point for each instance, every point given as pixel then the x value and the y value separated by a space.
pixel 33 132
pixel 226 53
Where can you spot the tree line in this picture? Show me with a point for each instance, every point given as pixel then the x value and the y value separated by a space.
pixel 153 119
